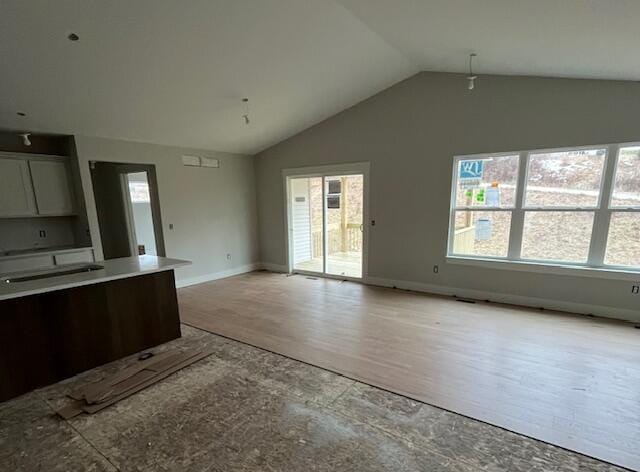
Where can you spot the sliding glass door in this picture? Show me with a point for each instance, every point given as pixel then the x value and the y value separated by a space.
pixel 343 225
pixel 326 224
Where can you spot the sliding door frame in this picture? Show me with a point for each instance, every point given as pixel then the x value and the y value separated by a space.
pixel 356 168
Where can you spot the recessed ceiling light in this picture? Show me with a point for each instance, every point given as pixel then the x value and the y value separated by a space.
pixel 21 113
pixel 73 37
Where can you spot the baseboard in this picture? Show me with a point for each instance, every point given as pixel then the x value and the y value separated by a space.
pixel 218 275
pixel 534 302
pixel 274 267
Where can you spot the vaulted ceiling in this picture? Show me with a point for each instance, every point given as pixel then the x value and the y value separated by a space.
pixel 175 72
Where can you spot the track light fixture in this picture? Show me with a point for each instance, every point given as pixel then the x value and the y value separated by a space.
pixel 25 138
pixel 245 101
pixel 471 79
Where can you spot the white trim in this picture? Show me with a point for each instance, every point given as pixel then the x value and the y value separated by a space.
pixel 325 275
pixel 33 157
pixel 185 282
pixel 325 233
pixel 328 170
pixel 129 218
pixel 532 302
pixel 548 268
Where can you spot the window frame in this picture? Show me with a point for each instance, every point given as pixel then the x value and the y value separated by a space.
pixel 601 219
pixel 454 208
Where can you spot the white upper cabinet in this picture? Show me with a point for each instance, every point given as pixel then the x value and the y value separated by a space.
pixel 16 192
pixel 35 185
pixel 51 187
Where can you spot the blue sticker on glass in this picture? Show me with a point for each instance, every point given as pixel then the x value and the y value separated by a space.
pixel 471 170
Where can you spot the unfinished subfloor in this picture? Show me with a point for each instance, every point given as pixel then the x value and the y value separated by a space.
pixel 246 409
pixel 568 380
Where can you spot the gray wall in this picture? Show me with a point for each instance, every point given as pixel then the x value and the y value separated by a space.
pixel 410 133
pixel 213 210
pixel 24 233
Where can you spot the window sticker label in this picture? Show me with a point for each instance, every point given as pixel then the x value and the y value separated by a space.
pixel 470 184
pixel 483 229
pixel 471 170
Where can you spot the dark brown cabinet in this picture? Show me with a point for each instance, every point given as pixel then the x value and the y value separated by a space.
pixel 47 337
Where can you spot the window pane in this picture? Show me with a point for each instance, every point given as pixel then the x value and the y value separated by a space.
pixel 565 179
pixel 482 233
pixel 623 245
pixel 557 235
pixel 306 223
pixel 487 182
pixel 626 188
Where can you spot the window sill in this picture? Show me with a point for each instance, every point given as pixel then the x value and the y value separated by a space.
pixel 548 268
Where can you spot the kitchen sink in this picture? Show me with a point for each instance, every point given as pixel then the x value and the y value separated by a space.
pixel 54 273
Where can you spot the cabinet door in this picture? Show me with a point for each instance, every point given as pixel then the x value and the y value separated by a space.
pixel 20 264
pixel 52 187
pixel 16 193
pixel 75 257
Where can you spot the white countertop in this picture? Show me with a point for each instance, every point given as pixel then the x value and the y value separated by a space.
pixel 112 269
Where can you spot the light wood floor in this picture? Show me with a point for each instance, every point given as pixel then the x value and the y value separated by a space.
pixel 569 380
pixel 348 264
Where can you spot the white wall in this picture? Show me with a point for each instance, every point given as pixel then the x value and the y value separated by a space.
pixel 143 225
pixel 410 133
pixel 213 211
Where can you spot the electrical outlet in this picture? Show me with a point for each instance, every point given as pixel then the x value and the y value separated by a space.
pixel 435 269
pixel 42 233
pixel 635 289
pixel 170 225
pixel 228 256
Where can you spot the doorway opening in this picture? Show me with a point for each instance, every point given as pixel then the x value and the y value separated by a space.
pixel 142 238
pixel 326 215
pixel 128 207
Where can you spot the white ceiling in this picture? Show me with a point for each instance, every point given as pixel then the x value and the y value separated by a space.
pixel 174 71
pixel 555 38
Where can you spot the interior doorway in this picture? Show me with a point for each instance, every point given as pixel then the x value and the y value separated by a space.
pixel 128 208
pixel 326 215
pixel 142 238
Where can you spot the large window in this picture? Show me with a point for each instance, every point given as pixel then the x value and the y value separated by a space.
pixel 576 206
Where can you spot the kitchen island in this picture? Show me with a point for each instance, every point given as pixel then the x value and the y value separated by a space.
pixel 57 323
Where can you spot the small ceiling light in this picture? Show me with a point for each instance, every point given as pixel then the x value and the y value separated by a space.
pixel 471 79
pixel 25 138
pixel 245 101
pixel 73 37
pixel 21 113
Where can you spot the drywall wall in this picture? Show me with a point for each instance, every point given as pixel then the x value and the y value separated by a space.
pixel 25 233
pixel 213 211
pixel 410 133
